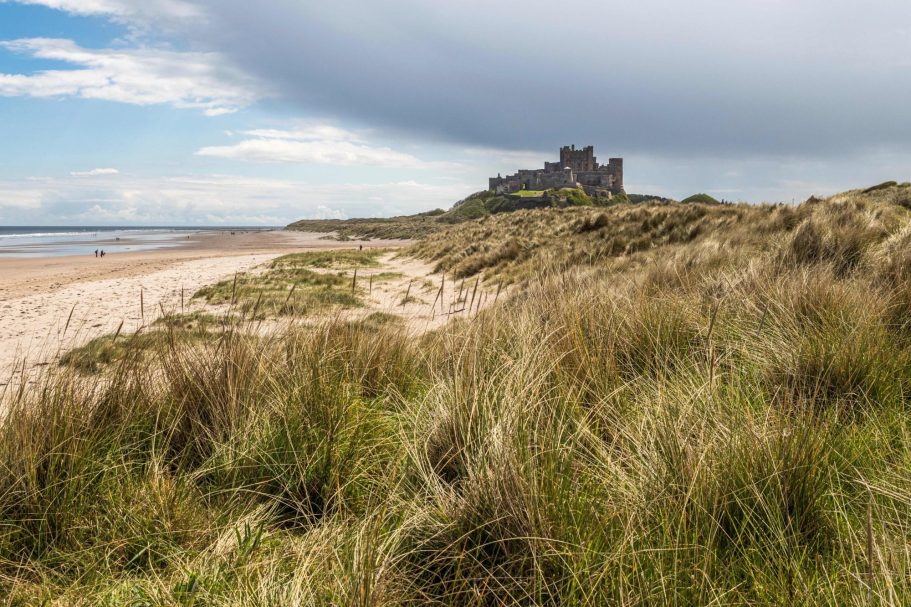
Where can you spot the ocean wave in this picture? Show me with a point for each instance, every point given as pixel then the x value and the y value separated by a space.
pixel 42 234
pixel 6 235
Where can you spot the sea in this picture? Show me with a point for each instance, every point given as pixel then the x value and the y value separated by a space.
pixel 45 241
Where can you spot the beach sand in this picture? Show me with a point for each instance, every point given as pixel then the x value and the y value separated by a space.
pixel 49 305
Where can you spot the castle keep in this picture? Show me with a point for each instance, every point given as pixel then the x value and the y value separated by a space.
pixel 576 169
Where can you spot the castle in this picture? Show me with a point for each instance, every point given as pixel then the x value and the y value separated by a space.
pixel 576 169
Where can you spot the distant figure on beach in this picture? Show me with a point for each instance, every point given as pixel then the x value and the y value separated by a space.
pixel 96 252
pixel 360 247
pixel 102 252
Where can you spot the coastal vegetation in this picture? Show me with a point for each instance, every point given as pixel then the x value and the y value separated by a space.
pixel 670 405
pixel 478 205
pixel 398 228
pixel 486 203
pixel 298 284
pixel 703 198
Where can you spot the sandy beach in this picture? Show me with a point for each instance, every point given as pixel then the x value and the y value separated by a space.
pixel 48 305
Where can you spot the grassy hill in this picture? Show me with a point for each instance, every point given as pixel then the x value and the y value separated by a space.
pixel 402 227
pixel 480 204
pixel 703 198
pixel 670 405
pixel 488 203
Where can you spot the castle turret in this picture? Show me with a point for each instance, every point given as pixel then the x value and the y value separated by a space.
pixel 615 170
pixel 578 160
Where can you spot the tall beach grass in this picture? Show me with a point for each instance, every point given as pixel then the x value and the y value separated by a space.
pixel 676 405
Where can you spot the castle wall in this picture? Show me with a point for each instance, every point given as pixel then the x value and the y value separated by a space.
pixel 563 179
pixel 553 167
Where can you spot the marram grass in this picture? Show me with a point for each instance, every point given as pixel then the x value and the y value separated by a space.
pixel 715 416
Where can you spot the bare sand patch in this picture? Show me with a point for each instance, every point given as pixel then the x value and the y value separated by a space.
pixel 424 299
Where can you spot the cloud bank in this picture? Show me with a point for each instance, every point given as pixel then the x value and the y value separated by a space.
pixel 756 77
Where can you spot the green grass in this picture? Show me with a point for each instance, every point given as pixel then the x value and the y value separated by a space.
pixel 386 276
pixel 289 287
pixel 394 228
pixel 335 259
pixel 478 205
pixel 107 350
pixel 882 186
pixel 283 292
pixel 700 198
pixel 713 411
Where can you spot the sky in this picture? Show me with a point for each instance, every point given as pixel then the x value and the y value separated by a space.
pixel 231 112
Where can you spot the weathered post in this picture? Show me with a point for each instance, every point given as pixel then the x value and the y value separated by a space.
pixel 473 293
pixel 442 292
pixel 407 293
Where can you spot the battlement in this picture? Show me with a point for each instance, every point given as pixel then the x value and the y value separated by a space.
pixel 576 168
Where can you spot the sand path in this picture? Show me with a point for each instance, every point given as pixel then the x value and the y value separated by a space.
pixel 416 294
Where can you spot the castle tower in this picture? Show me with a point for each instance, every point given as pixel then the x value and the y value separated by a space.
pixel 579 161
pixel 615 170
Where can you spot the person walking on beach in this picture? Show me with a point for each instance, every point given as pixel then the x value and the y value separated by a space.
pixel 96 252
pixel 102 252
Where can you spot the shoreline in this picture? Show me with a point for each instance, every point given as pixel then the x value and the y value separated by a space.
pixel 49 305
pixel 20 276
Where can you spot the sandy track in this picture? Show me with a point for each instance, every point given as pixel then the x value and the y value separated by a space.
pixel 425 308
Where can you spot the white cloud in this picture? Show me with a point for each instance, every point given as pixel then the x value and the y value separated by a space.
pixel 313 152
pixel 124 10
pixel 313 132
pixel 140 76
pixel 95 173
pixel 318 144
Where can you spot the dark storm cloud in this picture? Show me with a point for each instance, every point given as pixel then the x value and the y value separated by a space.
pixel 705 77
